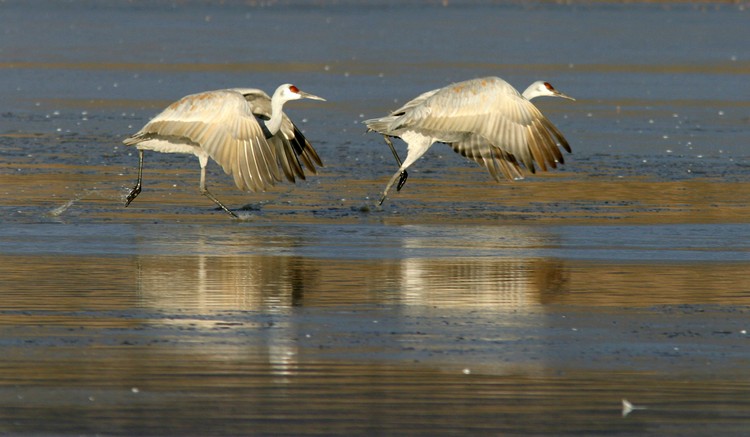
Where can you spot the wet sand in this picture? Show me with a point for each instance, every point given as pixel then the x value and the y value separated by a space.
pixel 459 306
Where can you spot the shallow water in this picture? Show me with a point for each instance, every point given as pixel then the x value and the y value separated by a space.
pixel 460 306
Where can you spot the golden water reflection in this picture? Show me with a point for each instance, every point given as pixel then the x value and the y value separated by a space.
pixel 258 282
pixel 205 283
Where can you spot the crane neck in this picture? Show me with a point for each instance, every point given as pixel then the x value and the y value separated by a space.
pixel 273 124
pixel 531 92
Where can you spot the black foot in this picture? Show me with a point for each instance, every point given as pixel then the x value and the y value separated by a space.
pixel 133 194
pixel 402 180
pixel 382 199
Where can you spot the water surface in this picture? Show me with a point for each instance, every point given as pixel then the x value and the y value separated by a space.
pixel 459 306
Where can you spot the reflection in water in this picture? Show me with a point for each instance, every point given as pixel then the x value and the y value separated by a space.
pixel 504 267
pixel 206 283
pixel 257 269
pixel 430 266
pixel 509 275
pixel 482 282
pixel 275 284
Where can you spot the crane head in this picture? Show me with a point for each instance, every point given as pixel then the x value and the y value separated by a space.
pixel 541 88
pixel 289 92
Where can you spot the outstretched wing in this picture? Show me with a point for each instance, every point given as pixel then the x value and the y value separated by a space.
pixel 221 123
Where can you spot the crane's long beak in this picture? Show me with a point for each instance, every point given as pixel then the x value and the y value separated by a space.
pixel 310 96
pixel 564 96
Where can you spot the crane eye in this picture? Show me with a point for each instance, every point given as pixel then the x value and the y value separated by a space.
pixel 294 89
pixel 549 87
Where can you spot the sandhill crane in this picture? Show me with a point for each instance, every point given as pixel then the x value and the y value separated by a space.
pixel 242 129
pixel 483 119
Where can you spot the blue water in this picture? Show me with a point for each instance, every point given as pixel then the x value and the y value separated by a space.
pixel 662 243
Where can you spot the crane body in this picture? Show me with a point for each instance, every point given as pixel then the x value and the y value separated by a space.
pixel 242 129
pixel 483 119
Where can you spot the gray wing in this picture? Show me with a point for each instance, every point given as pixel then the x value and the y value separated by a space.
pixel 292 149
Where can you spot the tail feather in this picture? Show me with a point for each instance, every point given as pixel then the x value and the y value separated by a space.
pixel 380 125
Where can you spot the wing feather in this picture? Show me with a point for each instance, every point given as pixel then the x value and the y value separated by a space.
pixel 536 150
pixel 294 151
pixel 495 160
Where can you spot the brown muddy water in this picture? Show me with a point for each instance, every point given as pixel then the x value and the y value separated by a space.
pixel 459 307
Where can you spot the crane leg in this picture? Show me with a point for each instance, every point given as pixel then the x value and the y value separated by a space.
pixel 208 194
pixel 390 184
pixel 403 173
pixel 137 189
pixel 393 149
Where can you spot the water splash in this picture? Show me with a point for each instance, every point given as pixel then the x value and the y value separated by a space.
pixel 628 407
pixel 56 212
